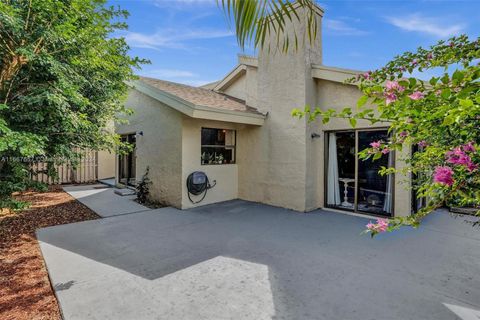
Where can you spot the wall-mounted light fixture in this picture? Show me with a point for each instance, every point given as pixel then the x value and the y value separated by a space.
pixel 140 133
pixel 315 135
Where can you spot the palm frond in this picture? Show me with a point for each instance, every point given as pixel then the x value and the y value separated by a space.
pixel 256 20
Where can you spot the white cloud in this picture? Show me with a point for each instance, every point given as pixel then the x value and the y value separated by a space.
pixel 171 38
pixel 341 28
pixel 432 26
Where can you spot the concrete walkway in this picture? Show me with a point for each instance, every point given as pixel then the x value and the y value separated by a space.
pixel 241 260
pixel 104 201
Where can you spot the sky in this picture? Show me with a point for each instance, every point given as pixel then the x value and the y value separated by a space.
pixel 191 42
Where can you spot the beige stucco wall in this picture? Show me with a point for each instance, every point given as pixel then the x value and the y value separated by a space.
pixel 238 88
pixel 273 169
pixel 160 147
pixel 225 175
pixel 106 164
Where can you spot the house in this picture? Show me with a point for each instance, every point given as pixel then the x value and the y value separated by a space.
pixel 240 132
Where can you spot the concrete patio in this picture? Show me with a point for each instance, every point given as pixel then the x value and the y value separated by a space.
pixel 102 199
pixel 242 260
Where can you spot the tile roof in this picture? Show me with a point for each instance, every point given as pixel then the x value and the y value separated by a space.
pixel 199 96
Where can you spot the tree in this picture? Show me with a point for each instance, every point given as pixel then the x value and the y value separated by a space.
pixel 440 117
pixel 254 20
pixel 62 80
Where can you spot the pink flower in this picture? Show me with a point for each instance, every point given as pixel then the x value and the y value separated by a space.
pixel 422 144
pixel 376 144
pixel 391 85
pixel 394 86
pixel 414 62
pixel 459 157
pixel 469 147
pixel 417 95
pixel 430 56
pixel 403 134
pixel 385 150
pixel 451 44
pixel 380 226
pixel 390 97
pixel 471 166
pixel 367 75
pixel 443 175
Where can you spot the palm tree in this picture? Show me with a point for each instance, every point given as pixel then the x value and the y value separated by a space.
pixel 254 20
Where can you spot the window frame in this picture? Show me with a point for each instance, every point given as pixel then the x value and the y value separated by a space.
pixel 224 147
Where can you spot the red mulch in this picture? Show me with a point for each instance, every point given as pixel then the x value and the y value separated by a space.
pixel 25 291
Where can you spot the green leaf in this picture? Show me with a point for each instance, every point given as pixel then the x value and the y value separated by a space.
pixel 467 103
pixel 458 76
pixel 255 22
pixel 445 79
pixel 448 120
pixel 433 81
pixel 362 101
pixel 353 122
pixel 446 93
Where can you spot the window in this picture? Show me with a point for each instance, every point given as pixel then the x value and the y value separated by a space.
pixel 218 146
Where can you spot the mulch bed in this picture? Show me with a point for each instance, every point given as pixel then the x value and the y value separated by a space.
pixel 25 291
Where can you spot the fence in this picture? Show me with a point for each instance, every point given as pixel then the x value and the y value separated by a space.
pixel 86 171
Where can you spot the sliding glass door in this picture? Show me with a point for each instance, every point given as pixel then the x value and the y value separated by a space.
pixel 354 184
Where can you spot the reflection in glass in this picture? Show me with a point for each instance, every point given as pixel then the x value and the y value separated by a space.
pixel 374 191
pixel 341 170
pixel 127 162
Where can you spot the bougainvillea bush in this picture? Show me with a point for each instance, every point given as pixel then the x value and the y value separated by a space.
pixel 439 119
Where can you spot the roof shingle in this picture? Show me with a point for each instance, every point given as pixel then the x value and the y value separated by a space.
pixel 199 96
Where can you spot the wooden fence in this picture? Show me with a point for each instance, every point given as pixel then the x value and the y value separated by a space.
pixel 86 171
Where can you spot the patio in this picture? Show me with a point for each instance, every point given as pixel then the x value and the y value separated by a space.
pixel 242 260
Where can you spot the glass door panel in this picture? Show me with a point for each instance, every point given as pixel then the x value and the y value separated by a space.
pixel 341 170
pixel 374 192
pixel 127 162
pixel 355 184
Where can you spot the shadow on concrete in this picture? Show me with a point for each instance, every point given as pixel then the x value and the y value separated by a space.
pixel 319 266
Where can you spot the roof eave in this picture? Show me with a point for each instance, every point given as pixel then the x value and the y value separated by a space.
pixel 334 74
pixel 197 111
pixel 231 77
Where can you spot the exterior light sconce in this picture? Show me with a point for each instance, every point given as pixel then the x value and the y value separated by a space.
pixel 140 133
pixel 315 135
